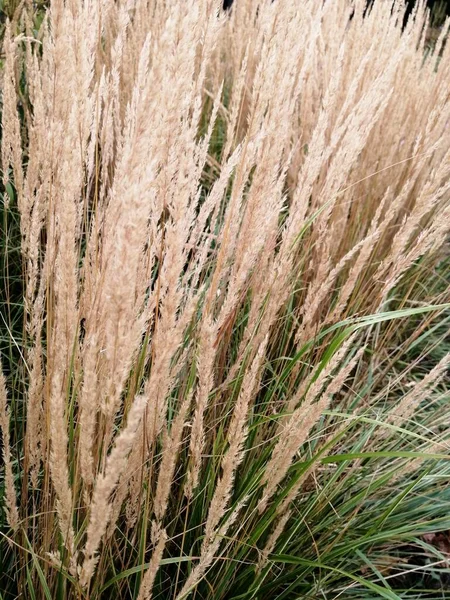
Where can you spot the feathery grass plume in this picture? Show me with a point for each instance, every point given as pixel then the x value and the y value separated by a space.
pixel 12 513
pixel 11 144
pixel 116 320
pixel 366 249
pixel 312 385
pixel 145 591
pixel 58 456
pixel 171 445
pixel 284 508
pixel 64 60
pixel 410 466
pixel 272 540
pixel 206 357
pixel 100 509
pixel 410 401
pixel 318 292
pixel 297 428
pixel 236 436
pixel 209 550
pixel 35 426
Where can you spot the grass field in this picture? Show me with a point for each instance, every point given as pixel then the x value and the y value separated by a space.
pixel 224 301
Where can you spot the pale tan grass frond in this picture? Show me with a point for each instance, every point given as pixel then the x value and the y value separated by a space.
pixel 236 436
pixel 100 509
pixel 145 591
pixel 12 513
pixel 297 427
pixel 206 358
pixel 11 146
pixel 410 401
pixel 171 445
pixel 209 549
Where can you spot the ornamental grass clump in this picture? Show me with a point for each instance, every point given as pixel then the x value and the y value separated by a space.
pixel 225 299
